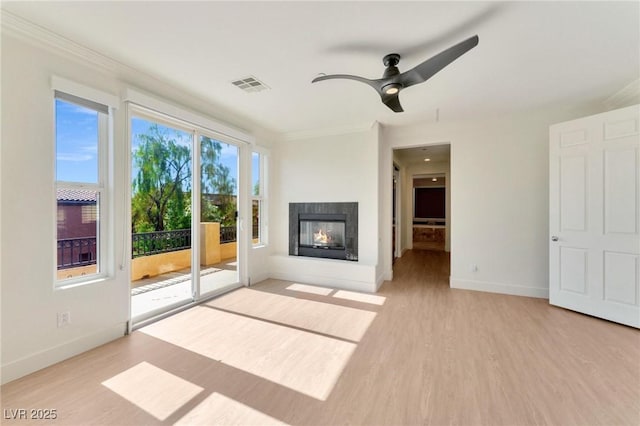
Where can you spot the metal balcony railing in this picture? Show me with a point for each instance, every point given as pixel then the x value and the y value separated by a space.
pixel 74 252
pixel 227 234
pixel 148 243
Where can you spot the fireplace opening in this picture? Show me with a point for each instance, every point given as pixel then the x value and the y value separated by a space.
pixel 325 230
pixel 328 235
pixel 322 235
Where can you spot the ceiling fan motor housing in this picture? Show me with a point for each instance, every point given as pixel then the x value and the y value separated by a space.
pixel 391 60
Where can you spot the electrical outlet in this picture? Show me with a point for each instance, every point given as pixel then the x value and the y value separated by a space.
pixel 64 319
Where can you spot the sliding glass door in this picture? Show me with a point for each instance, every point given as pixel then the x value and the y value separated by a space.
pixel 161 175
pixel 184 209
pixel 218 215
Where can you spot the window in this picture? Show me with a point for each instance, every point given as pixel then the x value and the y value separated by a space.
pixel 258 185
pixel 429 203
pixel 81 137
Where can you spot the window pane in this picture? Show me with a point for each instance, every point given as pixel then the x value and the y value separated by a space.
pixel 255 173
pixel 76 143
pixel 218 185
pixel 77 236
pixel 218 207
pixel 160 217
pixel 161 177
pixel 255 233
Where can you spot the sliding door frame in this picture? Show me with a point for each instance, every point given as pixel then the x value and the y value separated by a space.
pixel 149 108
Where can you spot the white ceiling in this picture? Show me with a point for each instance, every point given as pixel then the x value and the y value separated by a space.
pixel 530 55
pixel 435 154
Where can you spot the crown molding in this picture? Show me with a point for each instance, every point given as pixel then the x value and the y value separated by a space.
pixel 333 131
pixel 29 32
pixel 627 96
pixel 24 30
pixel 40 37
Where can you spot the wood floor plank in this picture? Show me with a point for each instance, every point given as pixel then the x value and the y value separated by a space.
pixel 432 355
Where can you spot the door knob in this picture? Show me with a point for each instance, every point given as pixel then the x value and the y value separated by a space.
pixel 554 238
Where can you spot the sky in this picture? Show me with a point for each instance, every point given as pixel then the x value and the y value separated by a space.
pixel 77 144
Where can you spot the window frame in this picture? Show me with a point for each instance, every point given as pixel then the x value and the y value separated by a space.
pixel 104 204
pixel 261 198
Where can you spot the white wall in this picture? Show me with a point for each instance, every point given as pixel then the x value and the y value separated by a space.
pixel 339 168
pixel 499 196
pixel 99 311
pixel 30 304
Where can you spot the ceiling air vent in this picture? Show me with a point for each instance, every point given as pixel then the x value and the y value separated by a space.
pixel 250 84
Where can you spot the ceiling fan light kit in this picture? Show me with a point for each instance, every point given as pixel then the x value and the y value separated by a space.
pixel 391 89
pixel 393 81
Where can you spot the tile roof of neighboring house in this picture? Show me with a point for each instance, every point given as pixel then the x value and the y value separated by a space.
pixel 66 194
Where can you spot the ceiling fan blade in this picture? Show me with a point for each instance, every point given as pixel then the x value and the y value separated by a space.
pixel 430 67
pixel 373 83
pixel 431 41
pixel 392 101
pixel 459 30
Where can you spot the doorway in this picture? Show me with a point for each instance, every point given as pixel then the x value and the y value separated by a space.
pixel 422 198
pixel 395 234
pixel 184 209
pixel 429 211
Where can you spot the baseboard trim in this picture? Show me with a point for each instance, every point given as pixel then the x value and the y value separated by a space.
pixel 382 278
pixel 257 278
pixel 514 290
pixel 39 360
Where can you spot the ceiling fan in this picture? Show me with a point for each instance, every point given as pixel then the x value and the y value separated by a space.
pixel 393 81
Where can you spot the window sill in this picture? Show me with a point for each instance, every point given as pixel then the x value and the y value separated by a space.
pixel 98 279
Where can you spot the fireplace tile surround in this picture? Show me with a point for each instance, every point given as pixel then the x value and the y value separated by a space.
pixel 341 212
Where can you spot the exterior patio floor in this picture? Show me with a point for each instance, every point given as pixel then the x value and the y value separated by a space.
pixel 151 295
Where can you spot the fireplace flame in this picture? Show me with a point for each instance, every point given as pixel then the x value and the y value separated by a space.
pixel 321 237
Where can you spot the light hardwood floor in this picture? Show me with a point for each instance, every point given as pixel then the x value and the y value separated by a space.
pixel 277 353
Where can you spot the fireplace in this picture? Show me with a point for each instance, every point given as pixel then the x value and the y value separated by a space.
pixel 322 235
pixel 327 230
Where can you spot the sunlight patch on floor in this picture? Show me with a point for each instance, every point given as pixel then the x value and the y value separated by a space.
pixel 360 297
pixel 152 389
pixel 310 289
pixel 218 409
pixel 326 318
pixel 305 362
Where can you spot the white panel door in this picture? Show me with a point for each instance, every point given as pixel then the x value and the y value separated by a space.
pixel 594 218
